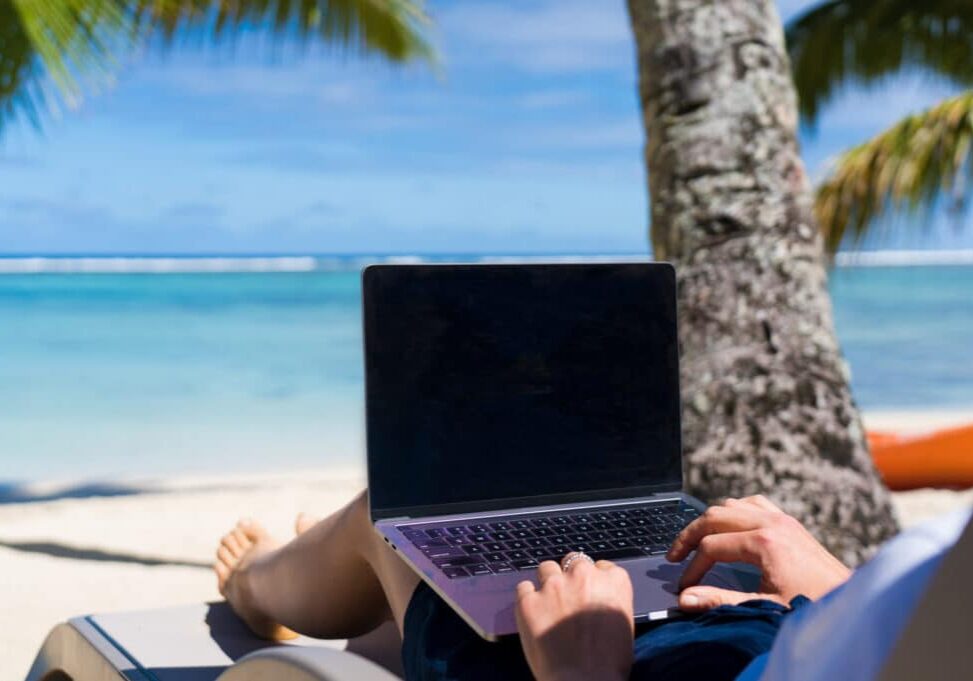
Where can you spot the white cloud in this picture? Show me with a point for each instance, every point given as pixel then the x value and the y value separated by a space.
pixel 307 81
pixel 565 36
pixel 625 134
pixel 872 109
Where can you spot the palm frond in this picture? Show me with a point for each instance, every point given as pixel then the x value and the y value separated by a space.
pixel 867 40
pixel 76 45
pixel 391 28
pixel 909 166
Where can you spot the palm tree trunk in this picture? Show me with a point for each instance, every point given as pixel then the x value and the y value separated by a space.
pixel 767 403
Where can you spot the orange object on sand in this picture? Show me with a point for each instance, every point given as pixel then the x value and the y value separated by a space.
pixel 940 459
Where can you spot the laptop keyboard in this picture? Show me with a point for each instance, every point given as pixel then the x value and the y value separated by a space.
pixel 512 543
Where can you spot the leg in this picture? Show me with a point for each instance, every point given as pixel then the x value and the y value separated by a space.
pixel 336 579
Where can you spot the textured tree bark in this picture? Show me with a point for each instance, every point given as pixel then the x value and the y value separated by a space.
pixel 767 405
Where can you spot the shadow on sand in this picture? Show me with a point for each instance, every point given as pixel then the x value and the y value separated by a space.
pixel 100 555
pixel 16 493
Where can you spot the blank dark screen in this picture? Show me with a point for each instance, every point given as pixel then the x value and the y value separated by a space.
pixel 499 382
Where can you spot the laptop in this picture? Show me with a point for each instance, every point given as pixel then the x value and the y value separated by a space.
pixel 515 413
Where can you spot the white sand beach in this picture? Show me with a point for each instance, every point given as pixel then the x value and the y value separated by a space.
pixel 72 556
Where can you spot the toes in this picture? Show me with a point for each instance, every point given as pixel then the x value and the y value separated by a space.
pixel 222 574
pixel 224 556
pixel 241 538
pixel 251 529
pixel 303 523
pixel 232 544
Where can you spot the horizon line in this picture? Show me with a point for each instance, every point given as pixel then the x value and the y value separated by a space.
pixel 325 262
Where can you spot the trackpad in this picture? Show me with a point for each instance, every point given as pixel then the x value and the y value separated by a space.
pixel 735 576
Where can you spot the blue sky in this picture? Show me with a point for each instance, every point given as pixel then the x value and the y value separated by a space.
pixel 527 140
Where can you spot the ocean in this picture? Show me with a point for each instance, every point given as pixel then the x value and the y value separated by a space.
pixel 133 368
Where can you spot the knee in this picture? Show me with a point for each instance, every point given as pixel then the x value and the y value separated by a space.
pixel 357 511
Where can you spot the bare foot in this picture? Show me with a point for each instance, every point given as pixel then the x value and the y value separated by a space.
pixel 304 522
pixel 239 549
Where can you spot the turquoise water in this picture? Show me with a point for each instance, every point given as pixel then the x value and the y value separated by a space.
pixel 126 375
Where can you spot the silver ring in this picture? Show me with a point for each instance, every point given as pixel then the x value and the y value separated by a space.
pixel 572 558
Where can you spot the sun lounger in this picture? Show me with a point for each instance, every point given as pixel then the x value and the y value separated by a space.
pixel 206 642
pixel 203 642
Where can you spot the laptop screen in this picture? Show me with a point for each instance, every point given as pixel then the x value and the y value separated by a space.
pixel 489 386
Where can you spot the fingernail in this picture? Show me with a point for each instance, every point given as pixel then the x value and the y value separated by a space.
pixel 689 600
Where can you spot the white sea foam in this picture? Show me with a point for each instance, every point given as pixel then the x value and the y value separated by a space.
pixel 904 258
pixel 147 265
pixel 308 263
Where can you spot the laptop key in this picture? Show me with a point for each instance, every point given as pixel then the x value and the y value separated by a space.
pixel 559 520
pixel 522 534
pixel 429 543
pixel 537 542
pixel 517 555
pixel 458 531
pixel 501 536
pixel 500 568
pixel 457 541
pixel 443 551
pixel 494 546
pixel 457 561
pixel 455 572
pixel 495 557
pixel 500 527
pixel 474 549
pixel 516 544
pixel 481 569
pixel 519 524
pixel 618 554
pixel 543 531
pixel 435 533
pixel 526 564
pixel 480 538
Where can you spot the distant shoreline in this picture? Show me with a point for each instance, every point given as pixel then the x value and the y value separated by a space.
pixel 900 421
pixel 253 264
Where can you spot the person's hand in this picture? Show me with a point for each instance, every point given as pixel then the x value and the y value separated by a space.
pixel 579 624
pixel 755 531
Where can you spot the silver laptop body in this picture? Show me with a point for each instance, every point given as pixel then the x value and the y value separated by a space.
pixel 515 413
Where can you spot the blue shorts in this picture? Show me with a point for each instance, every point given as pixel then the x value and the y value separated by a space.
pixel 439 646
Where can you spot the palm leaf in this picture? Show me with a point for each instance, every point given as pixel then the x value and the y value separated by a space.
pixel 867 40
pixel 909 166
pixel 76 44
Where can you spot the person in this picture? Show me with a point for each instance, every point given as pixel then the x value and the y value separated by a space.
pixel 338 579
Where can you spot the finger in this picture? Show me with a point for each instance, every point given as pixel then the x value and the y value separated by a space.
pixel 716 520
pixel 715 548
pixel 546 570
pixel 760 501
pixel 581 567
pixel 524 589
pixel 604 565
pixel 699 598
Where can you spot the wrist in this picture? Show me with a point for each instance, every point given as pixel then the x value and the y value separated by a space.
pixel 576 675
